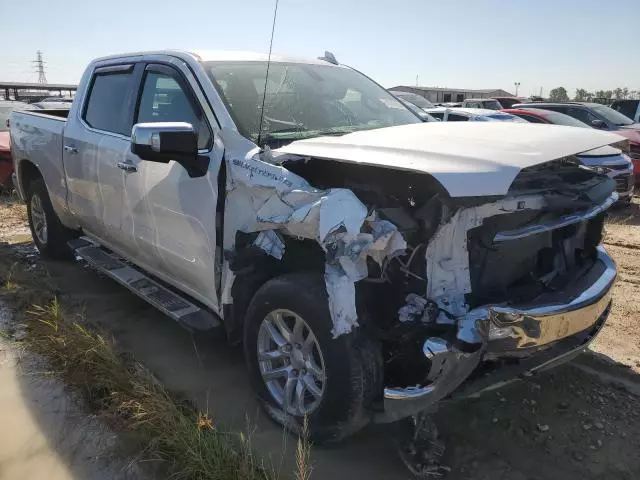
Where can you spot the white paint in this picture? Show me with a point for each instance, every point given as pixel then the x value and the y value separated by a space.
pixel 467 158
pixel 447 254
pixel 271 243
pixel 263 197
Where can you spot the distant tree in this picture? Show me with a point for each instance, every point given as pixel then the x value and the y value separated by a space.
pixel 581 95
pixel 559 95
pixel 617 93
pixel 634 94
pixel 599 94
pixel 625 92
pixel 608 94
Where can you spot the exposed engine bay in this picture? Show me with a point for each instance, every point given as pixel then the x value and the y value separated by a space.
pixel 468 252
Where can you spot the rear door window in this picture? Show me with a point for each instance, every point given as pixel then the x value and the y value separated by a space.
pixel 107 106
pixel 581 114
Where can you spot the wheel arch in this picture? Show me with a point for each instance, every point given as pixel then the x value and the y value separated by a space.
pixel 253 268
pixel 27 173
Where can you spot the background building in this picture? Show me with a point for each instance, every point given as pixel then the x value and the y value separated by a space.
pixel 443 95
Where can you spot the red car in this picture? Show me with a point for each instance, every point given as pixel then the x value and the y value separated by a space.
pixel 540 115
pixel 6 165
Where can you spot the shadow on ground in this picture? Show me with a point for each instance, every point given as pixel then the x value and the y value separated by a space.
pixel 565 424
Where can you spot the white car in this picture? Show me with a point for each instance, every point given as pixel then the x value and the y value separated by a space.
pixel 455 114
pixel 370 263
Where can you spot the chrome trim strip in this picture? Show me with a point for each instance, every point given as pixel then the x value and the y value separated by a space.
pixel 561 222
pixel 591 295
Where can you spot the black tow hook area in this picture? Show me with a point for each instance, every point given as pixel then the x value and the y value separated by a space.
pixel 420 447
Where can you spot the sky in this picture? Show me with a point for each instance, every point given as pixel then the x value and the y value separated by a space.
pixel 454 43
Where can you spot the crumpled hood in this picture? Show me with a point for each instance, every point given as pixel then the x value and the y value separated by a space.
pixel 467 158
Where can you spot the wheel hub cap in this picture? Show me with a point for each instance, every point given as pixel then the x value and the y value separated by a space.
pixel 291 362
pixel 38 219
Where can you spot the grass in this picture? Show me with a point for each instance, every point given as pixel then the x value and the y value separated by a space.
pixel 159 427
pixel 163 428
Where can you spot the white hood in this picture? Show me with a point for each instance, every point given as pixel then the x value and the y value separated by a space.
pixel 469 159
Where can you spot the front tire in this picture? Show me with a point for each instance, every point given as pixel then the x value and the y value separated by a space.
pixel 48 233
pixel 297 369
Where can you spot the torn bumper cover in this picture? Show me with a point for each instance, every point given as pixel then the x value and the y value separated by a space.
pixel 543 334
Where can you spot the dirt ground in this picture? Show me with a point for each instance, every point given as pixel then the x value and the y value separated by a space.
pixel 575 422
pixel 45 431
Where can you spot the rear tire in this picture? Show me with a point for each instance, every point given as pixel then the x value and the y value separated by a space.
pixel 348 376
pixel 48 233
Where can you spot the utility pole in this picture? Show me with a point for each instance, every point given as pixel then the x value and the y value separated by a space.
pixel 517 85
pixel 39 63
pixel 416 80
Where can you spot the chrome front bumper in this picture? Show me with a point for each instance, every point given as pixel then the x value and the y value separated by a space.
pixel 540 335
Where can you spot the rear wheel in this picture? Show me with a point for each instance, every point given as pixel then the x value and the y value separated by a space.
pixel 48 233
pixel 297 369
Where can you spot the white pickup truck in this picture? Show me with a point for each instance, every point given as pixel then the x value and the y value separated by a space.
pixel 372 264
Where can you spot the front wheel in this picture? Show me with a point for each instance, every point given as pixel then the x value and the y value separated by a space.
pixel 48 233
pixel 297 369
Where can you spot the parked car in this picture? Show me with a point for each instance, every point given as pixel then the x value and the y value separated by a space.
pixel 474 114
pixel 611 161
pixel 473 248
pixel 448 104
pixel 603 118
pixel 508 102
pixel 413 98
pixel 629 108
pixel 6 164
pixel 424 116
pixel 486 103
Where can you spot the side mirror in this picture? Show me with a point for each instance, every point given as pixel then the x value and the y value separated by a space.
pixel 165 141
pixel 598 124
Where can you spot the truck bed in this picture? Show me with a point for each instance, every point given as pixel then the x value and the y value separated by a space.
pixel 37 137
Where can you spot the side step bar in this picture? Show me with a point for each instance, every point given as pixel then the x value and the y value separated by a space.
pixel 169 302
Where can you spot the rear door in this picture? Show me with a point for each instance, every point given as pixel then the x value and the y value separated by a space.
pixel 583 114
pixel 170 216
pixel 96 139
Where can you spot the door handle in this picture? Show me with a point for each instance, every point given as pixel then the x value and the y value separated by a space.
pixel 127 167
pixel 70 149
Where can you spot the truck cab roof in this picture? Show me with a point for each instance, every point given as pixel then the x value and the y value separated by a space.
pixel 221 55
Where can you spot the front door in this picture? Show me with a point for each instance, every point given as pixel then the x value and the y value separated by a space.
pixel 170 216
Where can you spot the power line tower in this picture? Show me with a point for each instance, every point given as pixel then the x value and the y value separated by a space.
pixel 39 63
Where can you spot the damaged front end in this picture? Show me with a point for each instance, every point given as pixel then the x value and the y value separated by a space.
pixel 460 292
pixel 514 285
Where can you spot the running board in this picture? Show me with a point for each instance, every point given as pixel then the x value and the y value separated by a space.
pixel 169 302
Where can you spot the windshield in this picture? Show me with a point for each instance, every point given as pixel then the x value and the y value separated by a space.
pixel 304 100
pixel 414 98
pixel 612 116
pixel 561 119
pixel 491 104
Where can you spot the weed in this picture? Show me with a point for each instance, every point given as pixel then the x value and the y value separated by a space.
pixel 163 427
pixel 303 453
